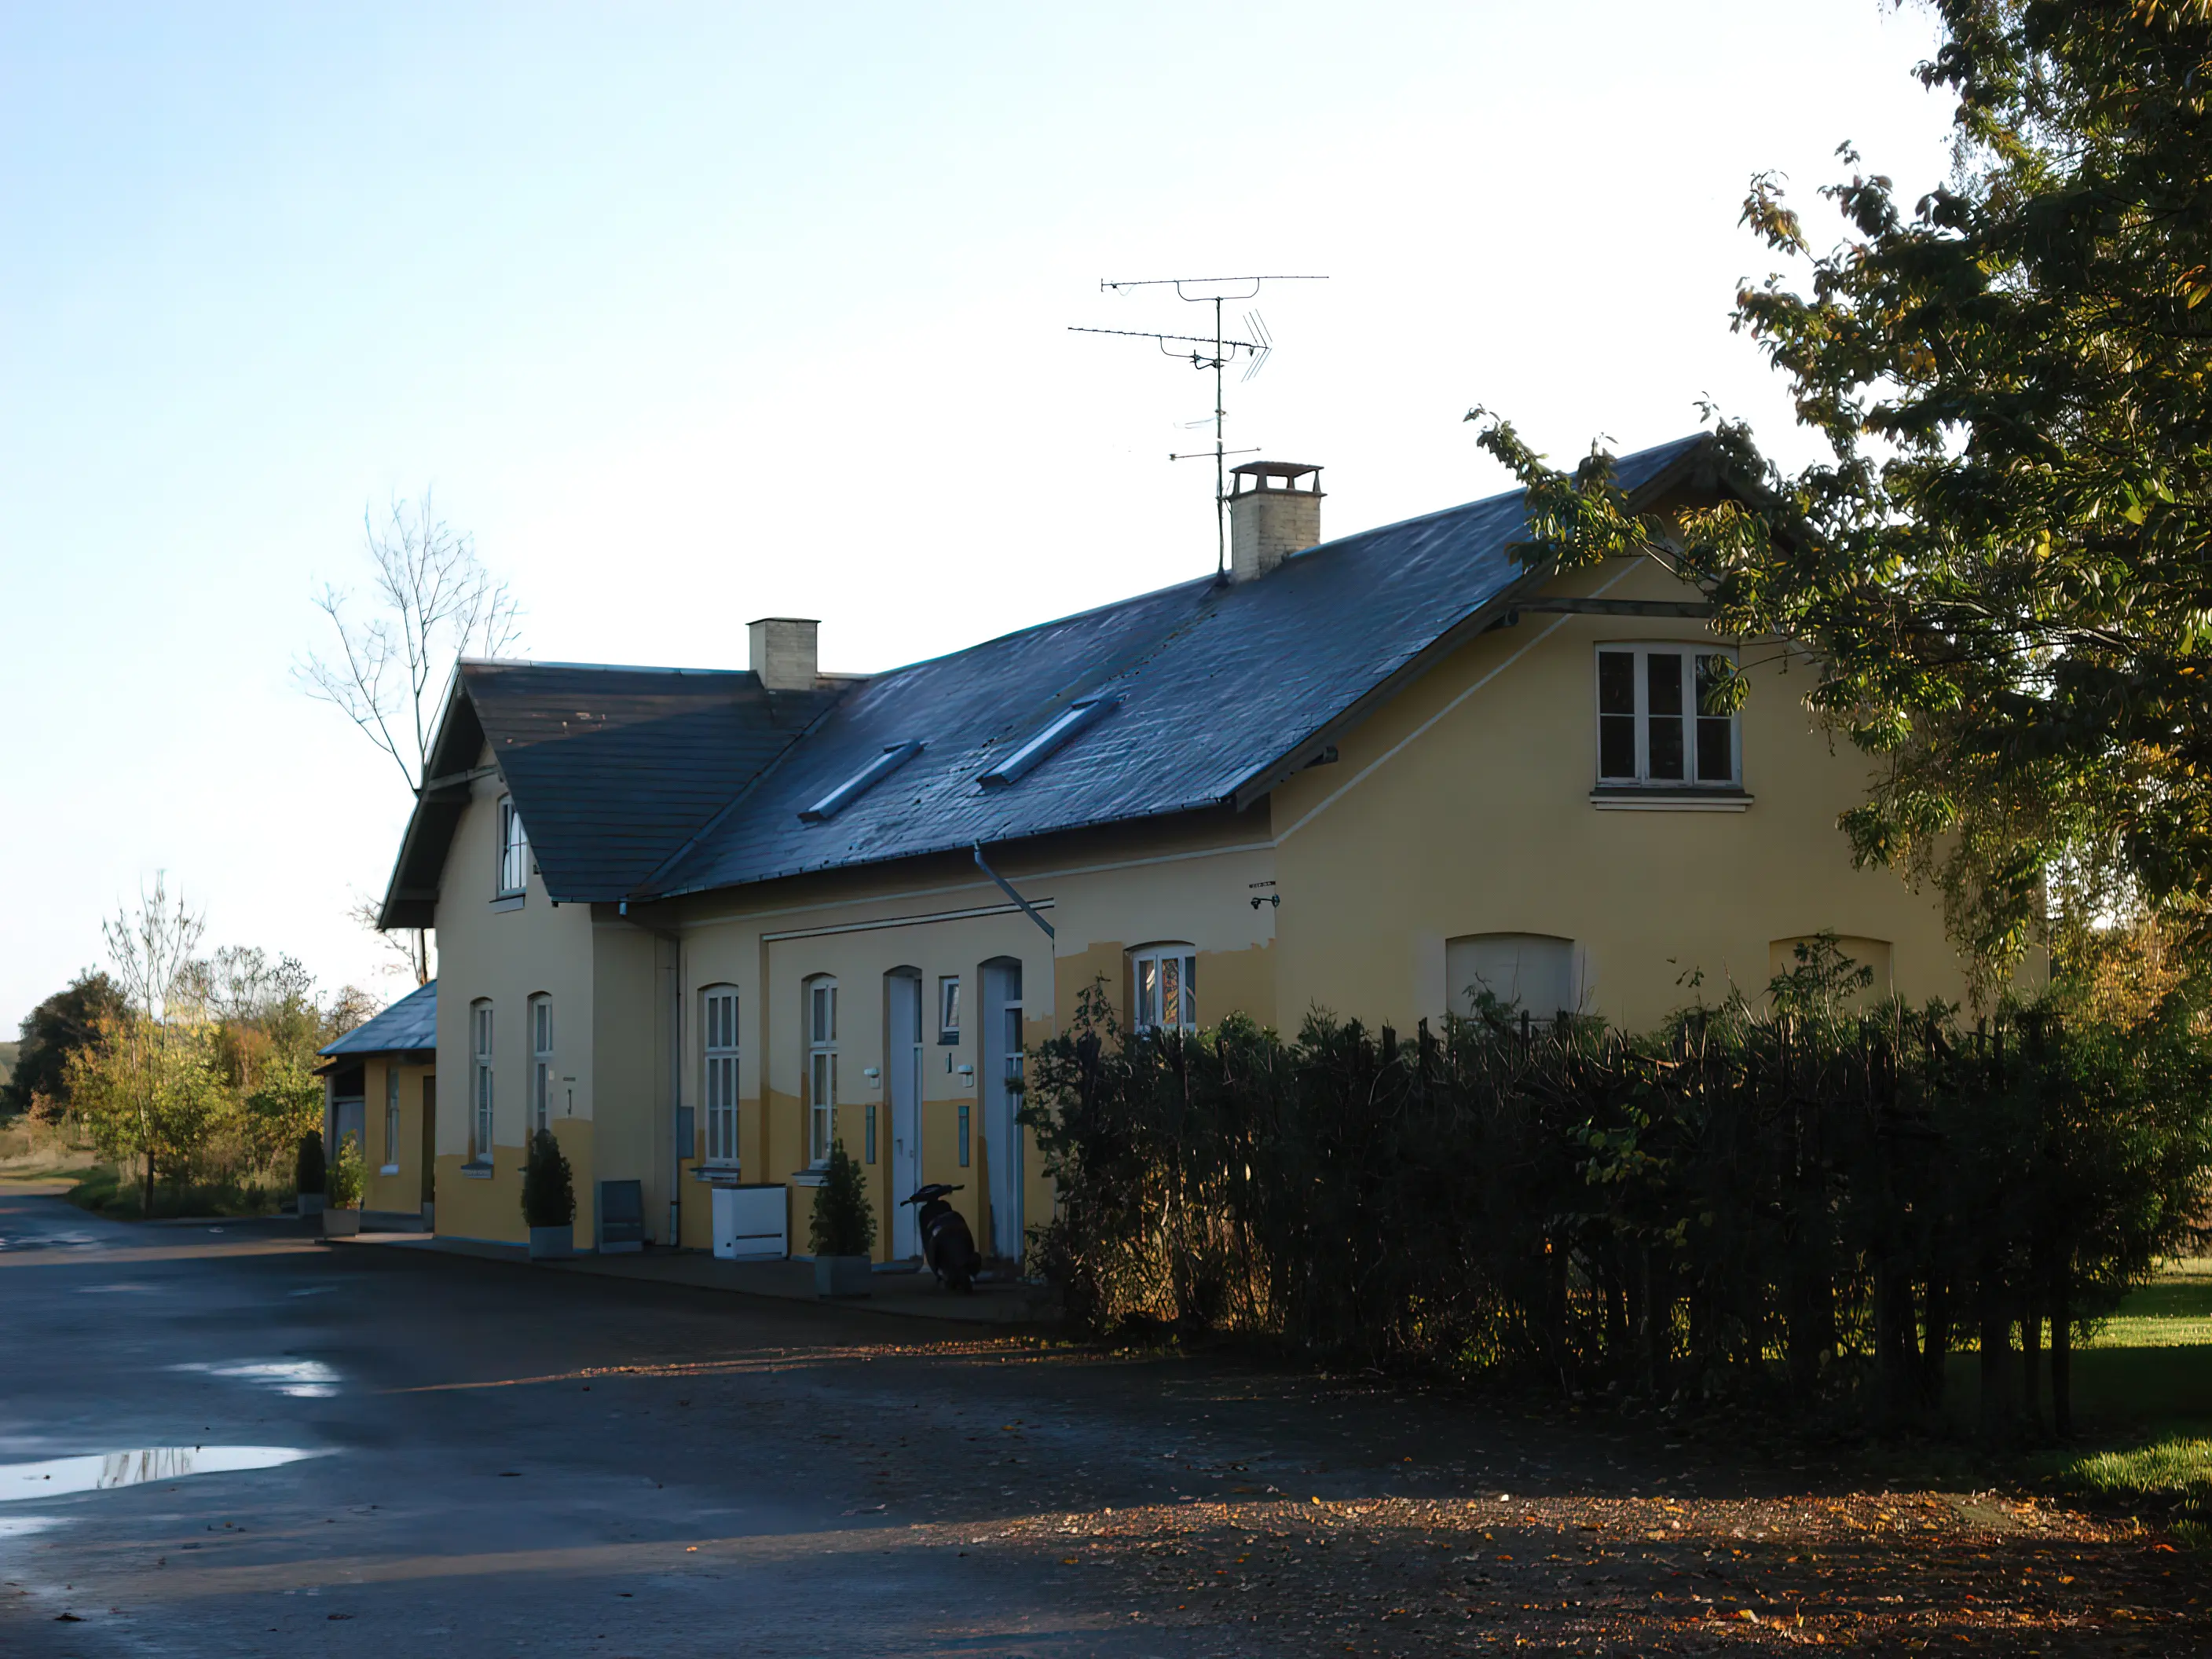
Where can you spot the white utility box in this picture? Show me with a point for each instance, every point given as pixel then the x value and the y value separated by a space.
pixel 751 1223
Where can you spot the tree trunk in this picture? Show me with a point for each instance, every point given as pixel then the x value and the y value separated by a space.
pixel 1996 1356
pixel 1936 1347
pixel 146 1204
pixel 2031 1360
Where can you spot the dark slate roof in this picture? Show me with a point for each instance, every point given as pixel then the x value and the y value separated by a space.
pixel 1224 690
pixel 409 1025
pixel 612 768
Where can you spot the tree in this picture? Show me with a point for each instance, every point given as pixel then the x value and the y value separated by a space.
pixel 844 1222
pixel 63 1024
pixel 2001 571
pixel 146 1082
pixel 434 603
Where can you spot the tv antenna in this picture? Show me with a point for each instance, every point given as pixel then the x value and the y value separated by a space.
pixel 1224 351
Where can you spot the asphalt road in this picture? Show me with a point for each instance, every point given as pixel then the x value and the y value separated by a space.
pixel 343 1450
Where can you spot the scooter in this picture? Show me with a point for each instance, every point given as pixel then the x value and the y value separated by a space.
pixel 948 1249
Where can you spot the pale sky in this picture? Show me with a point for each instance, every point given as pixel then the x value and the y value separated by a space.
pixel 693 314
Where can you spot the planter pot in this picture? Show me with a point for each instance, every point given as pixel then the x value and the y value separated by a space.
pixel 553 1244
pixel 841 1275
pixel 312 1204
pixel 340 1224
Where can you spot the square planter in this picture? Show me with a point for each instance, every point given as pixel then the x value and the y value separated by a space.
pixel 340 1224
pixel 553 1244
pixel 312 1204
pixel 841 1275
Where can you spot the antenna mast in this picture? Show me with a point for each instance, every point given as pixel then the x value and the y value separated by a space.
pixel 1225 351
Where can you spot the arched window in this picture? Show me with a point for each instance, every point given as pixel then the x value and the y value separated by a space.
pixel 719 1081
pixel 1536 972
pixel 821 1068
pixel 514 850
pixel 1164 978
pixel 480 1052
pixel 541 1079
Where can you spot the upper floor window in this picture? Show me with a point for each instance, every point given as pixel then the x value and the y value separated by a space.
pixel 1166 982
pixel 821 1068
pixel 720 1082
pixel 1651 732
pixel 480 1052
pixel 542 1079
pixel 514 850
pixel 948 1008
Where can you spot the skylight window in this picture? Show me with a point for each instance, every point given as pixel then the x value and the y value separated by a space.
pixel 1076 717
pixel 894 756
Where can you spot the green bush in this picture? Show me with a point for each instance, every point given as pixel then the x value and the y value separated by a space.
pixel 310 1171
pixel 347 1174
pixel 844 1221
pixel 1800 1200
pixel 548 1187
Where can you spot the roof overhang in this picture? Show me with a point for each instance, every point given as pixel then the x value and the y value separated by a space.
pixel 411 896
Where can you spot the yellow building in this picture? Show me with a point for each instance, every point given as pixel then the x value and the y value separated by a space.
pixel 701 925
pixel 380 1087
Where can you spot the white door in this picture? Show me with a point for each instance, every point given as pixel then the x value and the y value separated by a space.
pixel 902 1059
pixel 1001 1063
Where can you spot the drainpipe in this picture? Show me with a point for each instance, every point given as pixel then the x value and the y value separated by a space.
pixel 1007 888
pixel 675 1067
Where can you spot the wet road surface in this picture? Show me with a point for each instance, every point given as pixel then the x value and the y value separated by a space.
pixel 241 1441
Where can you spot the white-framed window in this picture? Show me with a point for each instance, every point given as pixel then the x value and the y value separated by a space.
pixel 514 850
pixel 821 1068
pixel 948 1008
pixel 480 1102
pixel 392 1118
pixel 1539 973
pixel 1166 979
pixel 1650 733
pixel 543 1080
pixel 719 1079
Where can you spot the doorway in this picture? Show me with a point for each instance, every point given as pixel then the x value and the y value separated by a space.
pixel 429 1140
pixel 1002 1064
pixel 903 1061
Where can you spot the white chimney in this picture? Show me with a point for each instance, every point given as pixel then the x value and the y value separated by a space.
pixel 1270 517
pixel 781 649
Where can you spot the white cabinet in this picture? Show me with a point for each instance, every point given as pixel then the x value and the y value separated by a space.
pixel 750 1222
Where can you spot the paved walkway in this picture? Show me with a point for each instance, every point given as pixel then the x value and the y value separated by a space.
pixel 907 1292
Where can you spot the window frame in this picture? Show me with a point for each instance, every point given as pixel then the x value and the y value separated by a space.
pixel 1640 779
pixel 511 854
pixel 818 997
pixel 483 1094
pixel 720 1056
pixel 1176 978
pixel 948 1009
pixel 391 1165
pixel 542 1071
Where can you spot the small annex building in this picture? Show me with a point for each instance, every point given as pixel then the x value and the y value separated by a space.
pixel 380 1086
pixel 703 924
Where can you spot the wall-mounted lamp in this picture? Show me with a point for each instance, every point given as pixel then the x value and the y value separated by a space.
pixel 875 1077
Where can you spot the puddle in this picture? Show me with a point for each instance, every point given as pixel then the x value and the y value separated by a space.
pixel 56 1476
pixel 314 1290
pixel 302 1379
pixel 103 1290
pixel 50 1242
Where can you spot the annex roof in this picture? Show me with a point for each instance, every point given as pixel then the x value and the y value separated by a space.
pixel 1219 691
pixel 408 1026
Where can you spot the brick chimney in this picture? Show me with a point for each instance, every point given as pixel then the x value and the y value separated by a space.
pixel 1270 516
pixel 781 649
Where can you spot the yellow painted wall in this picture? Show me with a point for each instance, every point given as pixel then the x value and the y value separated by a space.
pixel 506 954
pixel 1463 807
pixel 401 1189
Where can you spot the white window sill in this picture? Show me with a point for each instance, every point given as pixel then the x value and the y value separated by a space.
pixel 476 1171
pixel 508 901
pixel 388 1168
pixel 1638 799
pixel 718 1175
pixel 810 1178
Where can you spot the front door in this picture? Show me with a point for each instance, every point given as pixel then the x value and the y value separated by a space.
pixel 429 1139
pixel 902 1059
pixel 1002 1060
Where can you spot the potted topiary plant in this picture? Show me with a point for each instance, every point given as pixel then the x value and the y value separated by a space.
pixel 341 1217
pixel 843 1233
pixel 309 1174
pixel 548 1199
